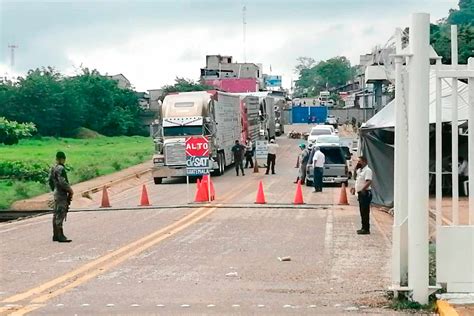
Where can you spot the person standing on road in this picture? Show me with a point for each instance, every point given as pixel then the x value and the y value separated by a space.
pixel 271 157
pixel 363 188
pixel 303 158
pixel 249 154
pixel 238 151
pixel 318 169
pixel 63 193
pixel 463 173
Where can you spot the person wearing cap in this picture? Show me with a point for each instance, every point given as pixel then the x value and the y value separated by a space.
pixel 271 156
pixel 238 151
pixel 249 153
pixel 304 157
pixel 63 194
pixel 318 169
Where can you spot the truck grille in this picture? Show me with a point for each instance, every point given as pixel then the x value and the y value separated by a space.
pixel 175 154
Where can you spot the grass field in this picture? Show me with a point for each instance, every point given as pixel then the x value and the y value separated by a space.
pixel 86 158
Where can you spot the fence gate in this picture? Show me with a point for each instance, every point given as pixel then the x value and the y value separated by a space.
pixel 415 105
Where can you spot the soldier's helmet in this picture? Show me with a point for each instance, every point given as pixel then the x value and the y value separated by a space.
pixel 60 155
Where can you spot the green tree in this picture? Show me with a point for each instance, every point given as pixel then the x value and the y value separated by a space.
pixel 440 34
pixel 11 132
pixel 327 74
pixel 465 14
pixel 184 85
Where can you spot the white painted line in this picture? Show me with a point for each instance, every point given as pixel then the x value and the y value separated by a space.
pixel 328 244
pixel 211 305
pixel 160 305
pixel 260 306
pixel 85 305
pixel 287 306
pixel 110 305
pixel 185 305
pixel 312 306
pixel 236 305
pixel 59 305
pixel 134 305
pixel 12 305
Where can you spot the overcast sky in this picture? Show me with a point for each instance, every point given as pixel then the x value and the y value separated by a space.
pixel 152 42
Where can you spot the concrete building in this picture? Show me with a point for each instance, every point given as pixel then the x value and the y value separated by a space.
pixel 222 73
pixel 220 67
pixel 122 81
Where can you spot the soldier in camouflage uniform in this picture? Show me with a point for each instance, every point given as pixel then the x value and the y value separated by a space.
pixel 62 196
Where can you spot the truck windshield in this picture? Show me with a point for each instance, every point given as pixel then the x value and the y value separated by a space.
pixel 182 131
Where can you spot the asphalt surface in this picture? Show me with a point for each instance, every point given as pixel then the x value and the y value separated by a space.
pixel 202 260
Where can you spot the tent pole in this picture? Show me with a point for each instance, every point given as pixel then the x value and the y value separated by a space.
pixel 470 158
pixel 399 239
pixel 455 127
pixel 418 156
pixel 439 149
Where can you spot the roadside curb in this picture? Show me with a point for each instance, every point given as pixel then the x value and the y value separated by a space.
pixel 41 201
pixel 445 309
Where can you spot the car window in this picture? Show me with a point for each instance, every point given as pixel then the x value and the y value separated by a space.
pixel 327 139
pixel 334 155
pixel 325 131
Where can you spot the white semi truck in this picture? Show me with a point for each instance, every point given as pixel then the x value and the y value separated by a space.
pixel 222 117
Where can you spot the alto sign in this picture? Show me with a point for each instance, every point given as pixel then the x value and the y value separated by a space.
pixel 197 155
pixel 197 146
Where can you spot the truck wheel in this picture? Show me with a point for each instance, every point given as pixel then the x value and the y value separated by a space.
pixel 220 163
pixel 308 183
pixel 158 180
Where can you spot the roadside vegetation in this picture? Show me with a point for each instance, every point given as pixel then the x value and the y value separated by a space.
pixel 24 167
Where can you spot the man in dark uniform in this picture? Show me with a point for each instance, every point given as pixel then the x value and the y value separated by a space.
pixel 238 151
pixel 63 194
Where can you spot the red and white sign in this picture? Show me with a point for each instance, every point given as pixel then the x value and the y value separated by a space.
pixel 197 146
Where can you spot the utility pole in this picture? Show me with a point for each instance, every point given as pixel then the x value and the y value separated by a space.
pixel 244 26
pixel 12 54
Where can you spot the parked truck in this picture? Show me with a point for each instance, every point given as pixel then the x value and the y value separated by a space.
pixel 222 117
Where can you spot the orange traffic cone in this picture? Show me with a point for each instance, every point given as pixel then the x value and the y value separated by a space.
pixel 105 198
pixel 200 193
pixel 205 187
pixel 260 194
pixel 213 192
pixel 298 162
pixel 198 186
pixel 144 201
pixel 299 194
pixel 343 196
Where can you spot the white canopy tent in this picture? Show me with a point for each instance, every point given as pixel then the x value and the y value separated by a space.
pixel 385 118
pixel 377 136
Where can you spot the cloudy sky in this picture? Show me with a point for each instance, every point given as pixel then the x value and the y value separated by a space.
pixel 152 42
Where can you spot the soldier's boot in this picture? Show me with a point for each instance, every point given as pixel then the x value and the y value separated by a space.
pixel 61 237
pixel 55 232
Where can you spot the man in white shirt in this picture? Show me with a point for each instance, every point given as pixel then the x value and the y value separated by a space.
pixel 463 173
pixel 271 157
pixel 318 169
pixel 364 193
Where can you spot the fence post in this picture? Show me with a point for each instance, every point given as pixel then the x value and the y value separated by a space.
pixel 418 157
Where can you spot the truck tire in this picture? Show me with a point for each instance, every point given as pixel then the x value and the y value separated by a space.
pixel 308 183
pixel 221 165
pixel 158 180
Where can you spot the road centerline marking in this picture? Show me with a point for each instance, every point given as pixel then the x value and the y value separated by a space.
pixel 108 261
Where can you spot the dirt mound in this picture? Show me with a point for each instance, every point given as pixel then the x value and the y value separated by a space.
pixel 85 133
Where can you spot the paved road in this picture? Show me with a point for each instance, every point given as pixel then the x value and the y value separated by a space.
pixel 217 259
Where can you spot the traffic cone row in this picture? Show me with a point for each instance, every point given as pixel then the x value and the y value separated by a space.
pixel 144 200
pixel 202 194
